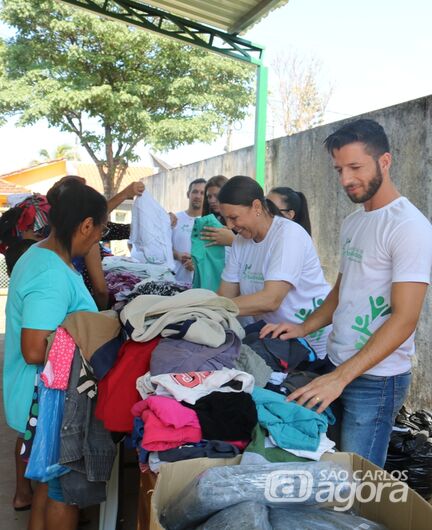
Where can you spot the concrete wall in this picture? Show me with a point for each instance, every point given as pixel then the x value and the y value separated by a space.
pixel 301 162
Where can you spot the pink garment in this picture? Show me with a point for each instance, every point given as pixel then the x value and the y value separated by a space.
pixel 241 444
pixel 58 366
pixel 167 424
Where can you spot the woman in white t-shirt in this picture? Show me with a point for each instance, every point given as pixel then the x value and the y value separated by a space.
pixel 273 272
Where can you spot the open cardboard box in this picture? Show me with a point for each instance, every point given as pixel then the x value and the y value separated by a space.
pixel 411 513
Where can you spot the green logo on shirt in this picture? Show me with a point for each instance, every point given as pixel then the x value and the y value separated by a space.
pixel 378 309
pixel 252 276
pixel 303 313
pixel 352 253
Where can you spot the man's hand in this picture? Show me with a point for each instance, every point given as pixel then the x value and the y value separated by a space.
pixel 173 219
pixel 320 392
pixel 134 189
pixel 283 331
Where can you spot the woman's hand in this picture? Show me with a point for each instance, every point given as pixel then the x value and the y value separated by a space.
pixel 217 236
pixel 283 331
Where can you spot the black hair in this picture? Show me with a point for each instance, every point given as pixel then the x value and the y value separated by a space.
pixel 296 201
pixel 242 191
pixel 217 181
pixel 8 222
pixel 15 250
pixel 196 181
pixel 368 132
pixel 72 202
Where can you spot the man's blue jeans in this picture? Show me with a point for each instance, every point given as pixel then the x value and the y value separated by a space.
pixel 370 405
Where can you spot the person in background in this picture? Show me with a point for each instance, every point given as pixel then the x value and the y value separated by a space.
pixel 181 232
pixel 23 489
pixel 375 304
pixel 273 268
pixel 44 288
pixel 292 204
pixel 215 236
pixel 29 220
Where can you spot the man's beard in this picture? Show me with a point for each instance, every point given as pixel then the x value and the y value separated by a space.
pixel 372 188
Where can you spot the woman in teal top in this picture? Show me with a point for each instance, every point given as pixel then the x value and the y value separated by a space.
pixel 44 289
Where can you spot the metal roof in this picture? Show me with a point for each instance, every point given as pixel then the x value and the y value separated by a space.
pixel 232 16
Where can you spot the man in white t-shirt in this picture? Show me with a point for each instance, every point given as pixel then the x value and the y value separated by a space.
pixel 386 260
pixel 182 231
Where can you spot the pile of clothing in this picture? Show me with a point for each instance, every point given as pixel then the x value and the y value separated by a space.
pixel 125 278
pixel 174 371
pixel 198 388
pixel 70 442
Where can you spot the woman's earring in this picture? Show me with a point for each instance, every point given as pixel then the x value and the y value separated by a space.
pixel 258 214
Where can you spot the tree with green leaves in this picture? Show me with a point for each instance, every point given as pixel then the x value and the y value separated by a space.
pixel 114 86
pixel 61 151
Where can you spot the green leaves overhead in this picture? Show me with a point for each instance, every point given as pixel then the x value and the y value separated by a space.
pixel 113 85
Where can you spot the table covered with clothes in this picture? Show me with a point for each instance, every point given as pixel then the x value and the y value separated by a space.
pixel 174 371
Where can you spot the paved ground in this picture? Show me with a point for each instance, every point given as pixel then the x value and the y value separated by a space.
pixel 11 520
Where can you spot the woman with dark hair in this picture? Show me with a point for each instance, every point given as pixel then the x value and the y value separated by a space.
pixel 44 289
pixel 292 204
pixel 273 272
pixel 214 235
pixel 211 192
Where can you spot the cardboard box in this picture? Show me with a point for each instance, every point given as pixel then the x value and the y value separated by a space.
pixel 410 513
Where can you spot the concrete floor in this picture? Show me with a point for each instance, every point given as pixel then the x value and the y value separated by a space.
pixel 11 520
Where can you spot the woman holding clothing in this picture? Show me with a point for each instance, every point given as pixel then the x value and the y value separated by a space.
pixel 215 236
pixel 44 289
pixel 273 272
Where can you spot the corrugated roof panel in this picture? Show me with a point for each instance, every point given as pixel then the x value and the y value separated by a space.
pixel 228 15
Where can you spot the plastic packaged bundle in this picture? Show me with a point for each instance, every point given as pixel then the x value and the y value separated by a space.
pixel 309 518
pixel 43 463
pixel 246 515
pixel 218 488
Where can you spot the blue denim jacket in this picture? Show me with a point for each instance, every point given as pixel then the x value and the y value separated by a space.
pixel 85 445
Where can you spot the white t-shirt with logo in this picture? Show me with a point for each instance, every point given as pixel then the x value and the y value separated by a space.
pixel 384 246
pixel 181 241
pixel 285 254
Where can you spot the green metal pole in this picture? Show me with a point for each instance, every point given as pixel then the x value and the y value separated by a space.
pixel 260 123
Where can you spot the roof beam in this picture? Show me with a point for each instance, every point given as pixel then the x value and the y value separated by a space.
pixel 164 23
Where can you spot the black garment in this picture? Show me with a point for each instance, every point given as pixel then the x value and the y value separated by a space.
pixel 226 415
pixel 116 231
pixel 209 449
pixel 281 355
pixel 254 327
pixel 157 287
pixel 292 381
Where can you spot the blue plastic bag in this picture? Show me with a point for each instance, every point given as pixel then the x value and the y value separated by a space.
pixel 43 462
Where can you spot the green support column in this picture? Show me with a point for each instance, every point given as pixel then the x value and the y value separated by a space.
pixel 260 123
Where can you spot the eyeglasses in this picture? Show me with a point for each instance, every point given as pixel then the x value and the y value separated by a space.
pixel 105 231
